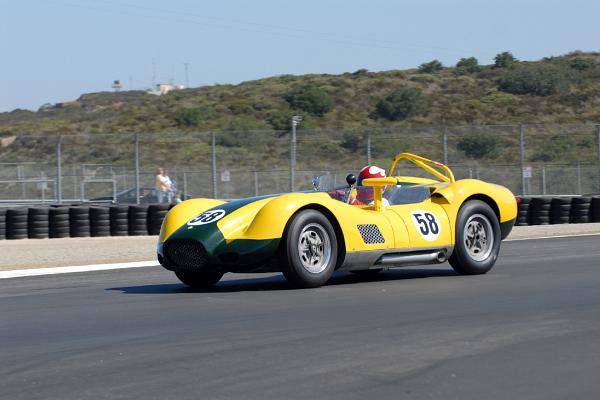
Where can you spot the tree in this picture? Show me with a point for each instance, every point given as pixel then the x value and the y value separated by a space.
pixel 505 60
pixel 468 65
pixel 431 66
pixel 478 145
pixel 538 80
pixel 401 104
pixel 311 99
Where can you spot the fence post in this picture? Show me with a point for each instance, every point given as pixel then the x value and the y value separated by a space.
pixel 368 147
pixel 255 183
pixel 522 156
pixel 184 186
pixel 213 152
pixel 578 177
pixel 445 140
pixel 544 180
pixel 295 121
pixel 59 170
pixel 137 168
pixel 598 158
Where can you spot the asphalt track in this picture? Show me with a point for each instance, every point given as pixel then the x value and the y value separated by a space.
pixel 530 329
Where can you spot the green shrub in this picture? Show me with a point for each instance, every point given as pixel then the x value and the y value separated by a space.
pixel 401 104
pixel 468 65
pixel 539 80
pixel 192 117
pixel 478 145
pixel 311 99
pixel 431 66
pixel 505 60
pixel 581 64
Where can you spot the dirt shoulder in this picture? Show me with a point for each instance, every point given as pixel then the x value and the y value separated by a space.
pixel 42 253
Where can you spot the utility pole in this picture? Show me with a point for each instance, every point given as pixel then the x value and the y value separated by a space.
pixel 137 168
pixel 59 170
pixel 295 121
pixel 187 76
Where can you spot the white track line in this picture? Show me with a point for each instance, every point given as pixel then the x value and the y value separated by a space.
pixel 552 237
pixel 18 273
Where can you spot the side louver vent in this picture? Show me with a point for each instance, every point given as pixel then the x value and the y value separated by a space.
pixel 370 233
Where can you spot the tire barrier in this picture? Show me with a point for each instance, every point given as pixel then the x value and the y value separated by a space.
pixel 560 210
pixel 59 222
pixel 38 223
pixel 595 211
pixel 580 210
pixel 119 225
pixel 523 211
pixel 138 220
pixel 79 221
pixel 2 223
pixel 156 214
pixel 539 211
pixel 16 223
pixel 99 221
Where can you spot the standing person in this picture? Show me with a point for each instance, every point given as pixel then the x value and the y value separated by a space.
pixel 162 184
pixel 170 187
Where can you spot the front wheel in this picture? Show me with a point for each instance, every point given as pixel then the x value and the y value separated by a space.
pixel 199 279
pixel 310 250
pixel 477 239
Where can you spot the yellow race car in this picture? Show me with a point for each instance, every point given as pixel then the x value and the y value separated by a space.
pixel 309 235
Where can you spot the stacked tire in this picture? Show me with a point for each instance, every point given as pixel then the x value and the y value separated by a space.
pixel 560 210
pixel 59 226
pixel 79 221
pixel 38 223
pixel 138 220
pixel 523 211
pixel 580 210
pixel 539 210
pixel 2 223
pixel 16 223
pixel 119 225
pixel 595 211
pixel 156 215
pixel 99 221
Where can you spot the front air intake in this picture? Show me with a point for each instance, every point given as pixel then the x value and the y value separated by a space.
pixel 185 254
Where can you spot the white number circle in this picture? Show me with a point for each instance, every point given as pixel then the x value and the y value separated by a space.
pixel 427 224
pixel 207 217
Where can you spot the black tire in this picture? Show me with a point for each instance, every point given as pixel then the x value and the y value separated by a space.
pixel 200 279
pixel 314 229
pixel 469 262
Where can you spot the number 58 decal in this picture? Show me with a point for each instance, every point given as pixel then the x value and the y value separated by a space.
pixel 207 217
pixel 427 224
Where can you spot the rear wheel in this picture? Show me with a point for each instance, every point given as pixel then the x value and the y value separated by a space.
pixel 199 279
pixel 310 250
pixel 477 239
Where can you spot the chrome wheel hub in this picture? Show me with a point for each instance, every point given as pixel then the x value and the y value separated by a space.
pixel 478 237
pixel 314 248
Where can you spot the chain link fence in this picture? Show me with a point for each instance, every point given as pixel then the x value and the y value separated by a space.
pixel 529 159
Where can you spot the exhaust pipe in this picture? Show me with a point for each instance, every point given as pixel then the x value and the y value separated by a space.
pixel 430 257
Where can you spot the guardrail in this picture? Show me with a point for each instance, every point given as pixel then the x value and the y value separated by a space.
pixel 135 220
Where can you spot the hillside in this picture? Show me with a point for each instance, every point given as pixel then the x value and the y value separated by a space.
pixel 563 89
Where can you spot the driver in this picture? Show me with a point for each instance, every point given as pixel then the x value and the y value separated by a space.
pixel 362 195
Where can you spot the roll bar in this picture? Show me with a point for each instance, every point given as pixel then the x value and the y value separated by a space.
pixel 437 169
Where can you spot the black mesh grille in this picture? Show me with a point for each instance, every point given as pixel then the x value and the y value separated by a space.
pixel 185 253
pixel 370 233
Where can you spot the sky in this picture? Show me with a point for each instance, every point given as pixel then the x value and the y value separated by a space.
pixel 56 50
